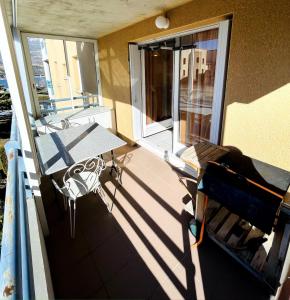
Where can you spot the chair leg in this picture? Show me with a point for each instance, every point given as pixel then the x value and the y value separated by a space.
pixel 65 202
pixel 72 217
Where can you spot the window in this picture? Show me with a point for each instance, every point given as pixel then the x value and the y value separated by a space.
pixel 64 73
pixel 203 60
pixel 184 61
pixel 197 60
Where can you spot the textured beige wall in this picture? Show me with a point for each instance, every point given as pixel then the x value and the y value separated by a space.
pixel 57 66
pixel 58 71
pixel 257 100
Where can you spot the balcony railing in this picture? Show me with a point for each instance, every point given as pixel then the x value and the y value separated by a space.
pixel 15 272
pixel 53 105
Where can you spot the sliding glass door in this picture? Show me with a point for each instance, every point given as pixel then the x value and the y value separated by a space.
pixel 196 85
pixel 199 77
pixel 179 82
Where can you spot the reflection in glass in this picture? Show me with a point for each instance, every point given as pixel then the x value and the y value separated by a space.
pixel 64 72
pixel 197 75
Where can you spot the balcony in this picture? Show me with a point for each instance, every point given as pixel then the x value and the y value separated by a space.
pixel 143 248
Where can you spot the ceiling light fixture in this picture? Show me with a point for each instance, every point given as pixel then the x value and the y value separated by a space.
pixel 162 22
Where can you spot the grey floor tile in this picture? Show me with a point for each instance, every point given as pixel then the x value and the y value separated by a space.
pixel 113 255
pixel 135 281
pixel 78 280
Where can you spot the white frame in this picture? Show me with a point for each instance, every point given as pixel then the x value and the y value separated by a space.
pixel 176 125
pixel 180 34
pixel 154 127
pixel 136 90
pixel 24 75
pixel 219 83
pixel 25 35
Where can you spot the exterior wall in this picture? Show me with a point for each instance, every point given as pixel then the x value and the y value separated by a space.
pixel 257 100
pixel 57 67
pixel 74 70
pixel 81 68
pixel 58 71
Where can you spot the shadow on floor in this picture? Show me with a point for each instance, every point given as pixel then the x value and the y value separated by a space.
pixel 100 262
pixel 142 250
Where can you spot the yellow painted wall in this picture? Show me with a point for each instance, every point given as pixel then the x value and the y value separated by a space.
pixel 57 66
pixel 257 100
pixel 72 57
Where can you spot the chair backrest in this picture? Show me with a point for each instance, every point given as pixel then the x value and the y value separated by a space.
pixel 64 124
pixel 67 123
pixel 82 178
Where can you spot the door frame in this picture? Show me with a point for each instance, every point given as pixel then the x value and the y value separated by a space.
pixel 137 90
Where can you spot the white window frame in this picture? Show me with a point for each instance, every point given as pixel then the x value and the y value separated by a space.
pixel 25 35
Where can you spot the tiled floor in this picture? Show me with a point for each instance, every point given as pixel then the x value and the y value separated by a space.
pixel 142 250
pixel 162 140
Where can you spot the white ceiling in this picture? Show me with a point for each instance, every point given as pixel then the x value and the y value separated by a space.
pixel 85 18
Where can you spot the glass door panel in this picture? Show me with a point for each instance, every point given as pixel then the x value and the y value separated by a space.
pixel 158 66
pixel 196 86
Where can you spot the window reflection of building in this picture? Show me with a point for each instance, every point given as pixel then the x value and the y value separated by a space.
pixel 196 86
pixel 199 63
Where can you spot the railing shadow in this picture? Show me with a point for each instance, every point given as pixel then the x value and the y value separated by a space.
pixel 184 257
pixel 164 238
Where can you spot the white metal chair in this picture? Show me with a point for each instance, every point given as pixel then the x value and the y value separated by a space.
pixel 80 179
pixel 51 127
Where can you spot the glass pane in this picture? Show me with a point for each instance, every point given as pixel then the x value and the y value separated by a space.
pixel 64 73
pixel 50 72
pixel 197 75
pixel 158 76
pixel 82 72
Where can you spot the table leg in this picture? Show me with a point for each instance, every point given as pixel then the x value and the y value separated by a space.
pixel 115 168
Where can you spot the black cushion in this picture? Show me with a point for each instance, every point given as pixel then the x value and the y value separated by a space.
pixel 273 178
